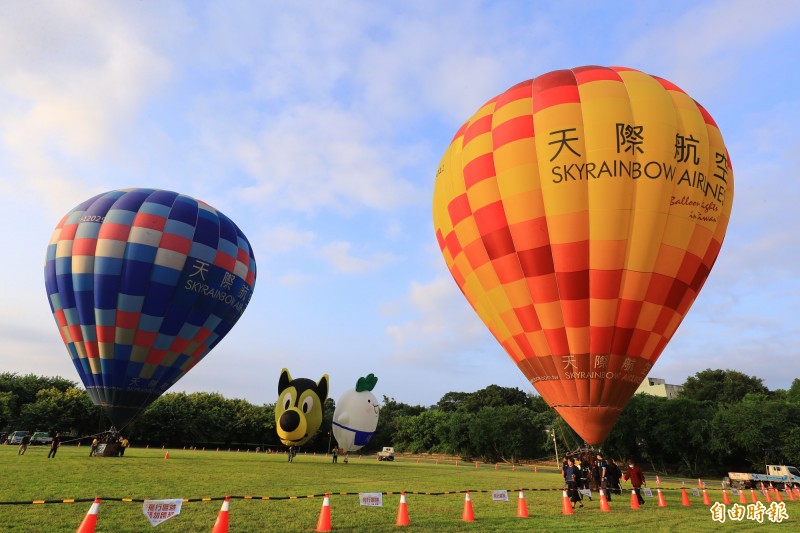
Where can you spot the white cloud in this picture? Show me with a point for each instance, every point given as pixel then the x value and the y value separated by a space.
pixel 74 74
pixel 339 256
pixel 283 238
pixel 443 325
pixel 705 46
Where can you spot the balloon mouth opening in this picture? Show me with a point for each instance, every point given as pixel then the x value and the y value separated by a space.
pixel 593 423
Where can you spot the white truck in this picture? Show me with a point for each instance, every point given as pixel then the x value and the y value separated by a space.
pixel 386 454
pixel 778 475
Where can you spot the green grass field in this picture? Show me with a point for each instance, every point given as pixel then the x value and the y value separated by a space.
pixel 145 474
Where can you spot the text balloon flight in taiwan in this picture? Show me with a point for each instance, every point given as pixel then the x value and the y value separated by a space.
pixel 580 213
pixel 143 283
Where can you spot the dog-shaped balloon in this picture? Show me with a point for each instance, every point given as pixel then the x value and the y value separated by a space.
pixel 356 415
pixel 298 413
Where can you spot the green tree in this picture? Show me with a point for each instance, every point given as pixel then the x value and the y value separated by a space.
pixel 754 430
pixel 452 401
pixel 421 433
pixel 793 394
pixel 726 386
pixel 60 410
pixel 7 408
pixel 24 388
pixel 494 396
pixel 506 433
pixel 391 413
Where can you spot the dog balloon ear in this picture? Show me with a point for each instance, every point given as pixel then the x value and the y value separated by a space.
pixel 322 388
pixel 284 380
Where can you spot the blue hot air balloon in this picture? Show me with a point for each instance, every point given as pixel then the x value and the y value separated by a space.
pixel 143 283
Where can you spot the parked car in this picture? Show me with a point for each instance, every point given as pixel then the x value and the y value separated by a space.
pixel 41 437
pixel 386 454
pixel 16 437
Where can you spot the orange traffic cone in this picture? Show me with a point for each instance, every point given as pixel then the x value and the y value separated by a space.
pixel 699 484
pixel 776 492
pixel 522 506
pixel 604 502
pixel 797 491
pixel 476 464
pixel 725 499
pixel 535 469
pixel 566 507
pixel 753 497
pixel 789 493
pixel 221 525
pixel 402 511
pixel 166 455
pixel 661 501
pixel 324 522
pixel 767 496
pixel 90 520
pixel 706 499
pixel 684 498
pixel 742 497
pixel 634 500
pixel 468 515
pixel 496 466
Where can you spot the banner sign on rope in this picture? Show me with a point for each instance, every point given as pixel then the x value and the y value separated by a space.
pixel 158 511
pixel 500 495
pixel 371 499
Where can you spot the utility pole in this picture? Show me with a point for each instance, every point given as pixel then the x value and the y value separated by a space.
pixel 555 445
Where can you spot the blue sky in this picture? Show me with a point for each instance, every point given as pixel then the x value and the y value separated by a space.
pixel 318 127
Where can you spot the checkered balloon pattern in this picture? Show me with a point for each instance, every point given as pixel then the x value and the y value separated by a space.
pixel 580 213
pixel 143 283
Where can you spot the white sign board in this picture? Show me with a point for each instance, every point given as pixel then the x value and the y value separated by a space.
pixel 158 511
pixel 647 491
pixel 500 495
pixel 696 492
pixel 371 499
pixel 587 492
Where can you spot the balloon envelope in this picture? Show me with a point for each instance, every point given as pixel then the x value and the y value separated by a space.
pixel 580 213
pixel 355 417
pixel 143 283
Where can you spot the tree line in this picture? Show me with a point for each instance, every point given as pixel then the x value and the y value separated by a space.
pixel 722 420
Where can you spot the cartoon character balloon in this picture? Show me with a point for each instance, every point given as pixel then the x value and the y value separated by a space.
pixel 356 415
pixel 580 213
pixel 143 283
pixel 298 413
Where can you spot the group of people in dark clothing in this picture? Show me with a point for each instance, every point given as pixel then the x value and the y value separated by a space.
pixel 109 444
pixel 586 472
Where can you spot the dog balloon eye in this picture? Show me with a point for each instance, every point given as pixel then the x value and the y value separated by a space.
pixel 308 403
pixel 287 401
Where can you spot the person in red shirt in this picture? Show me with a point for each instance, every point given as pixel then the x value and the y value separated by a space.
pixel 636 477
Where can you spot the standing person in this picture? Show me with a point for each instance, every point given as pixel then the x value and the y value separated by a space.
pixel 94 447
pixel 613 475
pixel 335 455
pixel 635 475
pixel 564 465
pixel 602 475
pixel 572 476
pixel 123 444
pixel 23 444
pixel 54 446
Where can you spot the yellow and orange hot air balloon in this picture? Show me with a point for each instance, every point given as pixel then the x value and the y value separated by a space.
pixel 580 213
